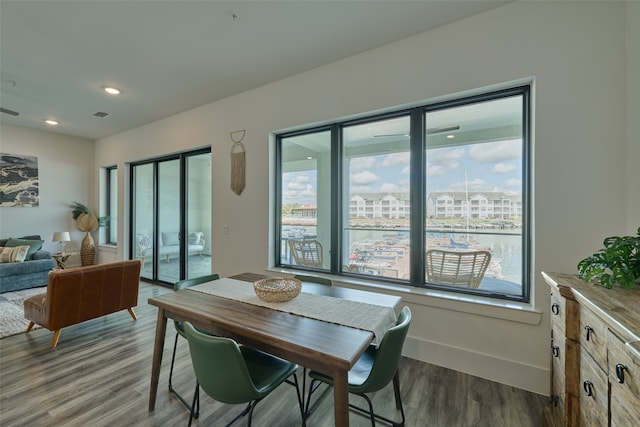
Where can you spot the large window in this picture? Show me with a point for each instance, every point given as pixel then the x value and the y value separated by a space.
pixel 434 196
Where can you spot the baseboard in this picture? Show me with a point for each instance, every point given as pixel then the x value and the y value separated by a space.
pixel 531 378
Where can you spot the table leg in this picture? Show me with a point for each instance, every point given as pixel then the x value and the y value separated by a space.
pixel 341 398
pixel 158 347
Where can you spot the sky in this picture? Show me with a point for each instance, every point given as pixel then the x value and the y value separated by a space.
pixel 492 166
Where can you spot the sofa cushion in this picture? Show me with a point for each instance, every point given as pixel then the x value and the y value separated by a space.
pixel 14 272
pixel 34 245
pixel 3 242
pixel 41 254
pixel 13 254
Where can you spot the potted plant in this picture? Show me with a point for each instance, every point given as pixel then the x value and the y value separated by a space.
pixel 88 222
pixel 617 263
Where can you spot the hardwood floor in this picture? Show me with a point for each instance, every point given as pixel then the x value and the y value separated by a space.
pixel 99 376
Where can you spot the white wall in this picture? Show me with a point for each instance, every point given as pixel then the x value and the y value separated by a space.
pixel 576 54
pixel 65 175
pixel 633 113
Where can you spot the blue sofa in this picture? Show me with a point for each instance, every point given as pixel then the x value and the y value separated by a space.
pixel 31 273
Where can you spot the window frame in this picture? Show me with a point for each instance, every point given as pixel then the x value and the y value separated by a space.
pixel 109 170
pixel 417 194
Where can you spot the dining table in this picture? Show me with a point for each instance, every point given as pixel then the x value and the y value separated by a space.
pixel 320 345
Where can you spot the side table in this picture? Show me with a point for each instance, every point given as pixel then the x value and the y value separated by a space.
pixel 61 259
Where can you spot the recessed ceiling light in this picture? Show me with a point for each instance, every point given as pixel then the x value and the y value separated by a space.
pixel 51 122
pixel 112 90
pixel 451 136
pixel 309 158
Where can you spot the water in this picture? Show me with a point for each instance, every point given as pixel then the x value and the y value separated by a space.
pixel 505 248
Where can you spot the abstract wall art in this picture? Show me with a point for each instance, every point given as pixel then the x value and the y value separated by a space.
pixel 18 180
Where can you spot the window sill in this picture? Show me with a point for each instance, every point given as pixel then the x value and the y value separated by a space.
pixel 470 304
pixel 108 247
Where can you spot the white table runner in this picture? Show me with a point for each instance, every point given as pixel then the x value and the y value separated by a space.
pixel 369 317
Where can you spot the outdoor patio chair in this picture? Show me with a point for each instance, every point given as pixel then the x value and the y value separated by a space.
pixel 457 268
pixel 306 253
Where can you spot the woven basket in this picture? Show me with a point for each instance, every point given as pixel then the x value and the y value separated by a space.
pixel 277 289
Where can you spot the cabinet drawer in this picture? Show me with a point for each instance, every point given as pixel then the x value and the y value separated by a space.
pixel 593 393
pixel 624 377
pixel 593 336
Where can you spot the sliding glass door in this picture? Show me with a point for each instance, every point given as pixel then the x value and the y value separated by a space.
pixel 171 216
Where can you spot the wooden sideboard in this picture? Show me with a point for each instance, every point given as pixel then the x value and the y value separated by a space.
pixel 595 353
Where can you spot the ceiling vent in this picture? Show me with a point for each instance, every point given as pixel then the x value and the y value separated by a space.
pixel 101 114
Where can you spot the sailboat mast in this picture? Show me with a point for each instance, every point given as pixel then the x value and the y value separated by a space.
pixel 466 193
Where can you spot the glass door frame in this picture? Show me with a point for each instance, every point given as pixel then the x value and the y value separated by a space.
pixel 182 199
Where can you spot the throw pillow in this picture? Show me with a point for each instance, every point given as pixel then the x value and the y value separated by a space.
pixel 194 238
pixel 170 239
pixel 34 245
pixel 13 254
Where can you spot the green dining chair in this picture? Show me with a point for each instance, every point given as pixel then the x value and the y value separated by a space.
pixel 235 374
pixel 182 284
pixel 313 279
pixel 375 369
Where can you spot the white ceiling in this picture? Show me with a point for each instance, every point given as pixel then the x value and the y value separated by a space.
pixel 172 55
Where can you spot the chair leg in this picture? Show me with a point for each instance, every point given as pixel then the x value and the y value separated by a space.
pixel 369 413
pixel 54 340
pixel 132 313
pixel 196 414
pixel 196 398
pixel 373 416
pixel 248 410
pixel 31 324
pixel 300 396
pixel 313 386
pixel 396 390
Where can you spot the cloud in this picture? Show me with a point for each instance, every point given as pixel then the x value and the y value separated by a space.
pixel 405 170
pixel 297 191
pixel 445 157
pixel 359 164
pixel 308 192
pixel 363 178
pixel 436 170
pixel 297 186
pixel 301 178
pixel 503 168
pixel 513 183
pixel 396 159
pixel 388 187
pixel 473 185
pixel 495 152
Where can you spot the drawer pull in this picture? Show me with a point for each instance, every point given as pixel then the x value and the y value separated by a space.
pixel 555 308
pixel 589 330
pixel 620 368
pixel 588 388
pixel 555 350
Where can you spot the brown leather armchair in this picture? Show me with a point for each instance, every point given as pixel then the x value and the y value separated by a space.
pixel 84 293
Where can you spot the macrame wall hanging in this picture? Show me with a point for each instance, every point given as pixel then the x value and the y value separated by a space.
pixel 237 162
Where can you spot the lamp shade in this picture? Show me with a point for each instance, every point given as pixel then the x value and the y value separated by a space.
pixel 61 236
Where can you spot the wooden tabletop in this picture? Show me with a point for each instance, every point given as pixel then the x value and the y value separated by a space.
pixel 312 343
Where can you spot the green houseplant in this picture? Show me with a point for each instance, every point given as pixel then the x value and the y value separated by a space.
pixel 617 263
